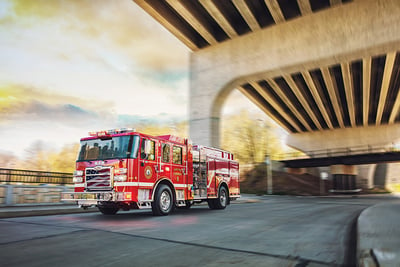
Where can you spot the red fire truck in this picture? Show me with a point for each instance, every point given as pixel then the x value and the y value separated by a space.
pixel 125 169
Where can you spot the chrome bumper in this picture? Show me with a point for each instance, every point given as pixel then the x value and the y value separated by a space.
pixel 91 198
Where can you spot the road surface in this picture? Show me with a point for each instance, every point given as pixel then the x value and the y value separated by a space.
pixel 272 231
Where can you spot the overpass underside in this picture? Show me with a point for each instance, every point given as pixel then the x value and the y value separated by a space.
pixel 314 66
pixel 327 71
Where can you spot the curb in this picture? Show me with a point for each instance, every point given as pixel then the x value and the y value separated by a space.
pixel 378 242
pixel 43 212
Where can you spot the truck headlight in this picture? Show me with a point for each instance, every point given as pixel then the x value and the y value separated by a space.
pixel 78 176
pixel 78 173
pixel 77 179
pixel 120 178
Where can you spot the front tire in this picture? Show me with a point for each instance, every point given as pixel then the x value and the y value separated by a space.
pixel 108 210
pixel 163 202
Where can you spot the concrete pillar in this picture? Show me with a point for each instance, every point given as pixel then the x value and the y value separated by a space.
pixel 344 178
pixel 365 178
pixel 296 170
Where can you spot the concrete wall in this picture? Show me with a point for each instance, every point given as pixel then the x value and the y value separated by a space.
pixel 386 175
pixel 393 177
pixel 29 194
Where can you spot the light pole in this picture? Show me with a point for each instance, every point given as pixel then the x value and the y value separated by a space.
pixel 269 174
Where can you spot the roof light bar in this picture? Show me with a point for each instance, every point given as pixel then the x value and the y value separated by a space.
pixel 110 132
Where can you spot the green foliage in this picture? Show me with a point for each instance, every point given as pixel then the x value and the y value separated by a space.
pixel 251 139
pixel 40 158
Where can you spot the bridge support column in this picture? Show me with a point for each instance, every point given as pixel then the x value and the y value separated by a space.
pixel 296 170
pixel 344 178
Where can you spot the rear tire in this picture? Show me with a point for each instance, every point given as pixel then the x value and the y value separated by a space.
pixel 222 201
pixel 108 210
pixel 211 204
pixel 163 201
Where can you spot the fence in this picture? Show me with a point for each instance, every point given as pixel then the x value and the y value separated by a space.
pixel 12 176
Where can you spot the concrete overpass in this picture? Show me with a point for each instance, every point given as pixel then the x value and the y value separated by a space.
pixel 327 71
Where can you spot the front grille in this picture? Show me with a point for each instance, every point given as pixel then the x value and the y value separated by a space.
pixel 98 178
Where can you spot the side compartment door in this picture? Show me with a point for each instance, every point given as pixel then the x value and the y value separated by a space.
pixel 234 174
pixel 200 176
pixel 211 178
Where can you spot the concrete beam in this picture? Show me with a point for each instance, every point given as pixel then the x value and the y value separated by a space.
pixel 275 11
pixel 246 13
pixel 305 7
pixel 333 95
pixel 366 88
pixel 302 100
pixel 317 98
pixel 335 2
pixel 387 74
pixel 214 12
pixel 274 104
pixel 285 99
pixel 348 86
pixel 192 20
pixel 166 23
pixel 396 109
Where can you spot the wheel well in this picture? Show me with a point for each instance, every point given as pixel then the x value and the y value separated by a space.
pixel 169 184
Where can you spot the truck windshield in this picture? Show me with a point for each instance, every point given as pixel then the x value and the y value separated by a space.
pixel 114 148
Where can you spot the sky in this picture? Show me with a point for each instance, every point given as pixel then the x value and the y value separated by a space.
pixel 74 66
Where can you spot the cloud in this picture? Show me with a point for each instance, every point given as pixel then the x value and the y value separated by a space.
pixel 19 103
pixel 118 25
pixel 73 66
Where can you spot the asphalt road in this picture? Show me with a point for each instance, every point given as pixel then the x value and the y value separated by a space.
pixel 275 231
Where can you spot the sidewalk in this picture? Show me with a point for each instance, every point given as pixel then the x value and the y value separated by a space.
pixel 378 237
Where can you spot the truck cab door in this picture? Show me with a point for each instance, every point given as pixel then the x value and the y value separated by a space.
pixel 165 160
pixel 148 169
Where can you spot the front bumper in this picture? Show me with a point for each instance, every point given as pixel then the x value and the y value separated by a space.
pixel 92 198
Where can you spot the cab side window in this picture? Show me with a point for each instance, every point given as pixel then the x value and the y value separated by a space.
pixel 177 155
pixel 152 154
pixel 165 153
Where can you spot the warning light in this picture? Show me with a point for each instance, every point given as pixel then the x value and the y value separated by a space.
pixel 111 132
pixel 127 195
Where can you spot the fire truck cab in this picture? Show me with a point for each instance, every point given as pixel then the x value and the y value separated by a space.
pixel 125 169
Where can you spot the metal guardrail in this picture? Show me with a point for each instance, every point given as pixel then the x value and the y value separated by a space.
pixel 11 176
pixel 344 151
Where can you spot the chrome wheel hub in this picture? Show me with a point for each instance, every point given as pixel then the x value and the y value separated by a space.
pixel 165 201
